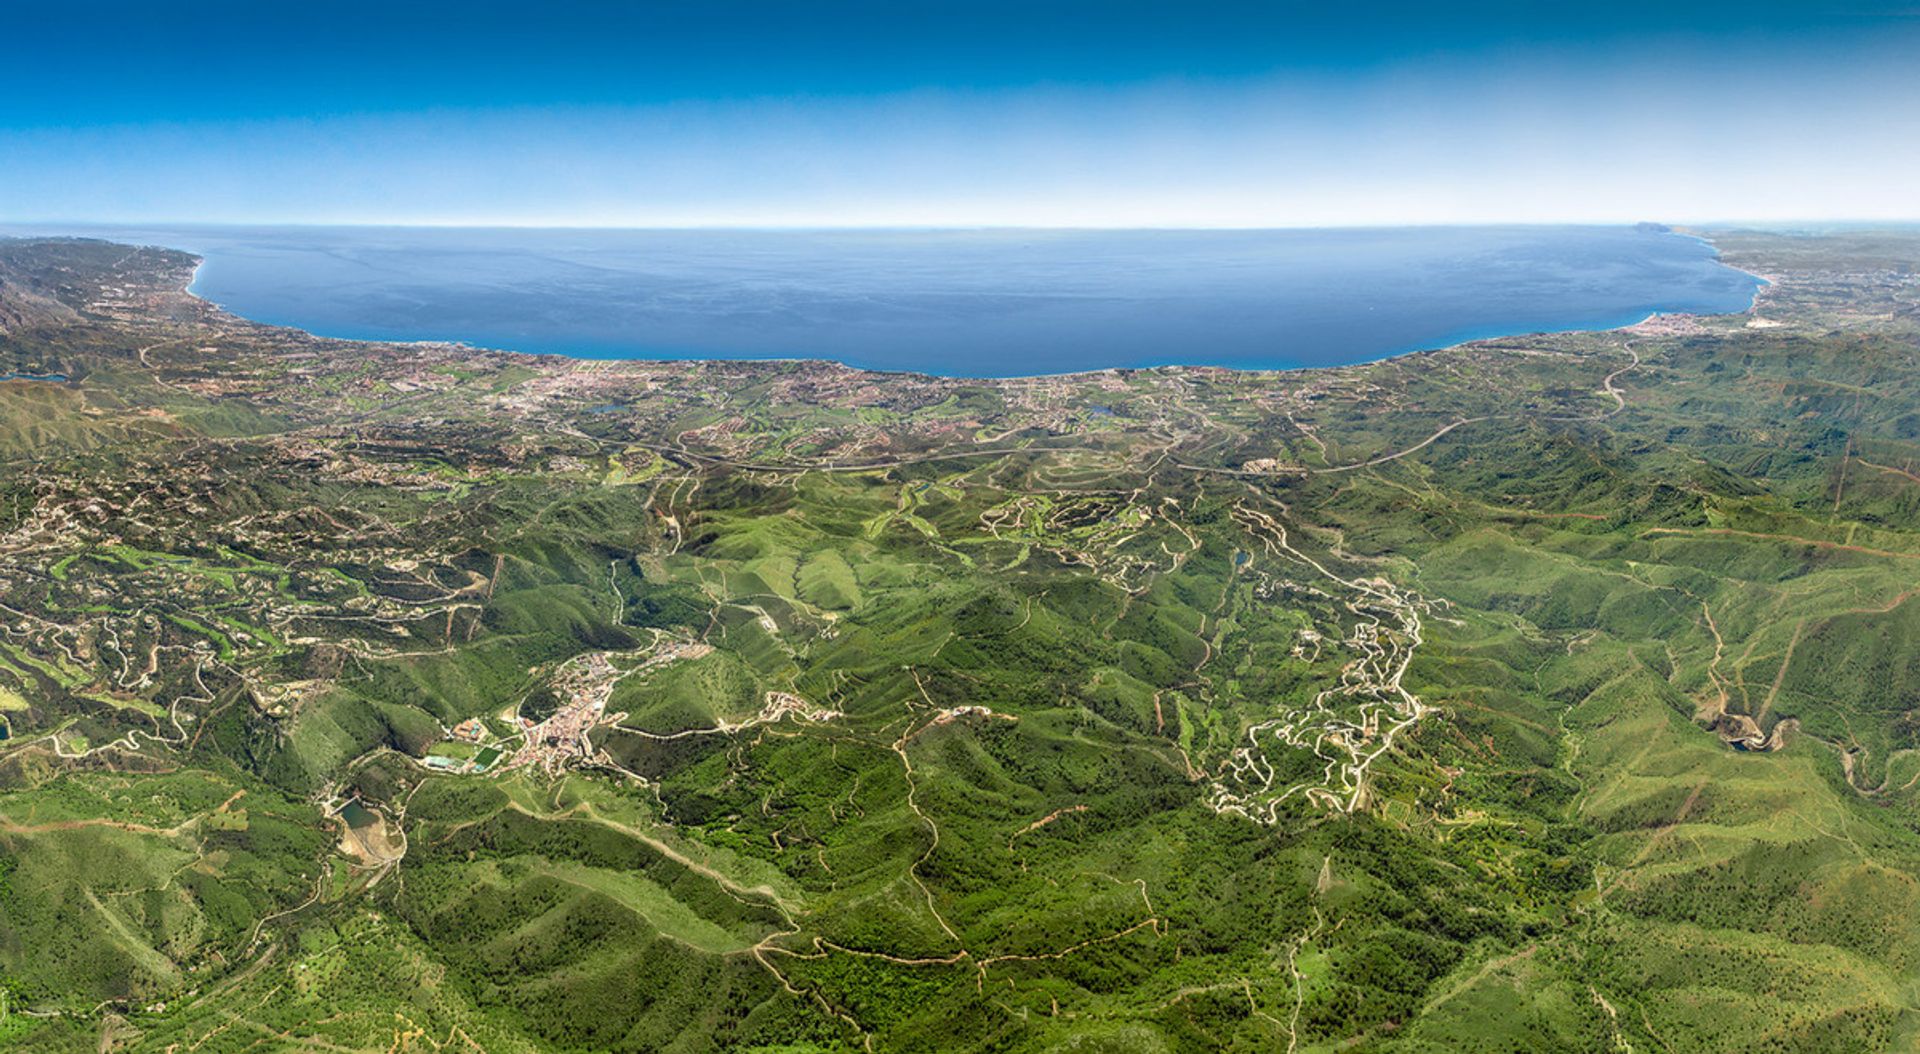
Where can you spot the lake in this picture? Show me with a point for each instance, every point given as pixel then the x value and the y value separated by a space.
pixel 988 303
pixel 357 815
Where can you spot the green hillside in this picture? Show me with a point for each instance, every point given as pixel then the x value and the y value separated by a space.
pixel 1553 693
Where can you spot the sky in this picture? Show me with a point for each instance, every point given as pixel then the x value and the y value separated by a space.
pixel 916 113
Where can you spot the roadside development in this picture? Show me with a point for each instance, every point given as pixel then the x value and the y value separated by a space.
pixel 1544 693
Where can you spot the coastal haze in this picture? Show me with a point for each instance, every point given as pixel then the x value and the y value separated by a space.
pixel 990 303
pixel 860 527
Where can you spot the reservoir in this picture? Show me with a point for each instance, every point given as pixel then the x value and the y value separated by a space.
pixel 357 815
pixel 981 303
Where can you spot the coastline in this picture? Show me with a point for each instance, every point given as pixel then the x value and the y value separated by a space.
pixel 1446 342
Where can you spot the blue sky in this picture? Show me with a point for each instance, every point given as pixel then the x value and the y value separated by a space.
pixel 913 113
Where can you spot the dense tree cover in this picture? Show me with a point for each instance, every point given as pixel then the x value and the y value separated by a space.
pixel 1049 729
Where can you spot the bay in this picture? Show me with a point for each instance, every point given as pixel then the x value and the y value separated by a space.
pixel 984 303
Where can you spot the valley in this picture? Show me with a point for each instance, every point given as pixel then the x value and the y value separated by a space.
pixel 1553 692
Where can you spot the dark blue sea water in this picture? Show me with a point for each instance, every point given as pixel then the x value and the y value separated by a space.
pixel 963 303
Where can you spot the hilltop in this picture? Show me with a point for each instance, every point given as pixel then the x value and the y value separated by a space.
pixel 1544 693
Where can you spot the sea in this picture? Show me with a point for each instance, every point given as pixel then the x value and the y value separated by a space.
pixel 966 303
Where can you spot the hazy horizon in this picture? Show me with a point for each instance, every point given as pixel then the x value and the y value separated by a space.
pixel 956 302
pixel 107 229
pixel 859 115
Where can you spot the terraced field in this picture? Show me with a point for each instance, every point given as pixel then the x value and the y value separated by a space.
pixel 1549 693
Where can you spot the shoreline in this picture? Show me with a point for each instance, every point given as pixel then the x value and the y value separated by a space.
pixel 1450 342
